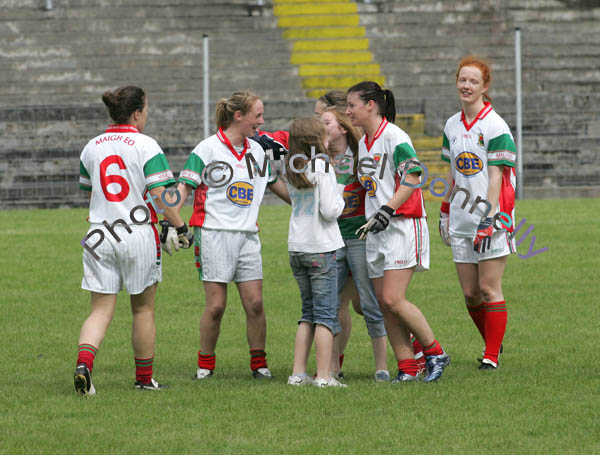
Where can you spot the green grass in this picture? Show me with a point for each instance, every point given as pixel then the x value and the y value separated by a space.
pixel 544 398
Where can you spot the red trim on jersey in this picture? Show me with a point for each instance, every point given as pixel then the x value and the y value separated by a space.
pixel 199 214
pixel 487 108
pixel 157 239
pixel 413 206
pixel 418 243
pixel 121 129
pixel 225 140
pixel 153 216
pixel 378 133
pixel 507 195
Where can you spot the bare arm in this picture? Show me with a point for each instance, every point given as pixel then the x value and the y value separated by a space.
pixel 171 211
pixel 280 189
pixel 450 185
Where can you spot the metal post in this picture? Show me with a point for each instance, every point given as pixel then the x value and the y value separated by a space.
pixel 48 5
pixel 519 113
pixel 205 79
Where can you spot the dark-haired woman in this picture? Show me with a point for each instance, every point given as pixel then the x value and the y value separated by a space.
pixel 226 203
pixel 397 235
pixel 123 169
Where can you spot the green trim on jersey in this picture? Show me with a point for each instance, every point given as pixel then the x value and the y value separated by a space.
pixel 270 173
pixel 84 173
pixel 445 142
pixel 195 164
pixel 502 143
pixel 403 152
pixel 198 257
pixel 445 146
pixel 156 165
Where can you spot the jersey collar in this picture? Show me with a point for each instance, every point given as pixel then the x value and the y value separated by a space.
pixel 487 108
pixel 378 133
pixel 225 140
pixel 121 129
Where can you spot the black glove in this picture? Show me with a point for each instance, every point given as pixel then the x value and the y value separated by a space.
pixel 376 224
pixel 186 237
pixel 168 237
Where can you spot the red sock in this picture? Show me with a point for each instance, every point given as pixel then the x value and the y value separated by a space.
pixel 408 366
pixel 143 369
pixel 86 353
pixel 206 361
pixel 477 313
pixel 258 359
pixel 417 348
pixel 495 327
pixel 341 360
pixel 434 349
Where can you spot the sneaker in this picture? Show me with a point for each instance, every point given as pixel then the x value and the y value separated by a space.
pixel 435 366
pixel 331 382
pixel 152 385
pixel 405 377
pixel 479 359
pixel 487 364
pixel 382 376
pixel 203 373
pixel 300 379
pixel 83 380
pixel 261 373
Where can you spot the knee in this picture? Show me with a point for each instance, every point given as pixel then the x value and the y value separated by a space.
pixel 254 308
pixel 215 311
pixel 388 303
pixel 472 297
pixel 487 292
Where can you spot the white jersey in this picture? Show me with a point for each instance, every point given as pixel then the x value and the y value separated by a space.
pixel 392 152
pixel 119 167
pixel 313 223
pixel 227 197
pixel 470 149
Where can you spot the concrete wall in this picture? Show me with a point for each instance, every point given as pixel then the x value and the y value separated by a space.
pixel 56 64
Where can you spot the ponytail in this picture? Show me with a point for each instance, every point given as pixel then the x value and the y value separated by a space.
pixel 390 106
pixel 123 102
pixel 369 90
pixel 239 101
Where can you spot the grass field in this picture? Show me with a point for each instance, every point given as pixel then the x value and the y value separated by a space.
pixel 545 398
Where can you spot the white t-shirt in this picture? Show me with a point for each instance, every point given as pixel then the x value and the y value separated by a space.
pixel 118 167
pixel 470 149
pixel 233 206
pixel 313 223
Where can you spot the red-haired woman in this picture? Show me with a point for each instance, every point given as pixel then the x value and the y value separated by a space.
pixel 477 217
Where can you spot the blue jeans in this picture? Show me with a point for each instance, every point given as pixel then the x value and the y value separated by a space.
pixel 316 274
pixel 353 258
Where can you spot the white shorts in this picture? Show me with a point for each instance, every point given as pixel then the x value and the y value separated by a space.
pixel 503 244
pixel 134 261
pixel 402 245
pixel 225 256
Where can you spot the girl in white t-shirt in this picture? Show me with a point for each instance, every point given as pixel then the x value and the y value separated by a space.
pixel 314 236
